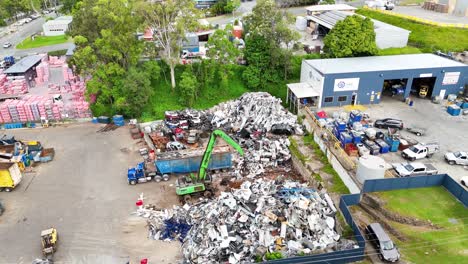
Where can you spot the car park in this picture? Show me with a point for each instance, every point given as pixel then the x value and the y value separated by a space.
pixel 459 157
pixel 7 45
pixel 388 123
pixel 385 247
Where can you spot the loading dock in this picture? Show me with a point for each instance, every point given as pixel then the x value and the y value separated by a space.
pixel 423 87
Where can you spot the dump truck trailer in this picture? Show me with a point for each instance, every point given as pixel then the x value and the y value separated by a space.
pixel 10 176
pixel 178 162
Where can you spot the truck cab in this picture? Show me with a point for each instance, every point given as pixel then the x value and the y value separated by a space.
pixel 420 151
pixel 143 172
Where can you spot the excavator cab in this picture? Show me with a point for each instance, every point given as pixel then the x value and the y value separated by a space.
pixel 49 239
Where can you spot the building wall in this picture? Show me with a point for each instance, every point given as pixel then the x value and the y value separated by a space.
pixel 456 7
pixel 313 77
pixel 55 29
pixel 370 84
pixel 391 39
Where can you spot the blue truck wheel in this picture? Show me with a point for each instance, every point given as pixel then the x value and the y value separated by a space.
pixel 132 182
pixel 157 178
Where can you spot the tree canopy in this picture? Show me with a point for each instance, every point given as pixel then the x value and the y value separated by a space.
pixel 268 44
pixel 170 20
pixel 352 37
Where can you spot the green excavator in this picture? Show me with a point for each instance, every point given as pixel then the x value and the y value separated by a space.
pixel 192 185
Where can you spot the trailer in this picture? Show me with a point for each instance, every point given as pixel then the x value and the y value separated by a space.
pixel 10 176
pixel 178 162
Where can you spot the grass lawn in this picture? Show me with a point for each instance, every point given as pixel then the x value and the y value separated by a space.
pixel 447 245
pixel 398 51
pixel 427 38
pixel 40 41
pixel 165 99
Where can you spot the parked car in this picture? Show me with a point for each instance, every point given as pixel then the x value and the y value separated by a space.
pixel 27 20
pixel 7 45
pixel 420 151
pixel 458 157
pixel 388 122
pixel 414 169
pixel 175 145
pixel 35 16
pixel 418 131
pixel 464 181
pixel 383 244
pixel 192 137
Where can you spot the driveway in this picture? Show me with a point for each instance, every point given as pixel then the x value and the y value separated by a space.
pixel 418 11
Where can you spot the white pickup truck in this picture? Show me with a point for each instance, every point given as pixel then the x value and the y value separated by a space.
pixel 420 151
pixel 414 169
pixel 458 157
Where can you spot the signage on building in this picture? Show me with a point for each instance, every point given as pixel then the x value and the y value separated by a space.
pixel 348 84
pixel 425 75
pixel 451 78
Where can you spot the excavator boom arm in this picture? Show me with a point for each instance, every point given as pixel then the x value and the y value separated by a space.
pixel 209 149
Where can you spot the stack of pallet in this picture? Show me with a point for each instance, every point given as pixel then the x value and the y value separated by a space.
pixel 13 111
pixel 56 61
pixel 42 71
pixel 17 87
pixel 3 82
pixel 54 88
pixel 4 111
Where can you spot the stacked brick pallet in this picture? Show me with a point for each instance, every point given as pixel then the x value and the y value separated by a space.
pixel 12 87
pixel 42 71
pixel 56 61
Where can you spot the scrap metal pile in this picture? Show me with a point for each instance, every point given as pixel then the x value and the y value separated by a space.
pixel 257 121
pixel 259 218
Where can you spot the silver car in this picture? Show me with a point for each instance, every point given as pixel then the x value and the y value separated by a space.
pixel 459 157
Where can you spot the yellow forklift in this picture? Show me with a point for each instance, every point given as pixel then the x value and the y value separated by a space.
pixel 423 90
pixel 49 238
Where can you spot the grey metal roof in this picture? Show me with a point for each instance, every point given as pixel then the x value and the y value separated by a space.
pixel 24 64
pixel 330 18
pixel 383 63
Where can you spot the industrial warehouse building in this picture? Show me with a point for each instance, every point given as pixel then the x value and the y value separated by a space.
pixel 57 26
pixel 365 80
pixel 25 68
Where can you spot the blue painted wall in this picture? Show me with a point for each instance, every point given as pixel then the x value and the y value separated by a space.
pixel 371 83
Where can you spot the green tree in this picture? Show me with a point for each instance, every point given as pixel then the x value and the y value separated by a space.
pixel 188 86
pixel 268 44
pixel 68 5
pixel 352 37
pixel 135 91
pixel 85 21
pixel 231 6
pixel 327 2
pixel 222 54
pixel 110 56
pixel 170 21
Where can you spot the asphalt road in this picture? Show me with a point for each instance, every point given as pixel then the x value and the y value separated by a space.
pixel 22 32
pixel 83 193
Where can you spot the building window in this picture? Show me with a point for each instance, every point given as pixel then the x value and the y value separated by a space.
pixel 329 99
pixel 342 98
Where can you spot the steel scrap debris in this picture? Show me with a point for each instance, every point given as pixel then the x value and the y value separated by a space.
pixel 261 216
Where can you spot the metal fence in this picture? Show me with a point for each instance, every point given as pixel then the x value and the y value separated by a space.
pixel 379 185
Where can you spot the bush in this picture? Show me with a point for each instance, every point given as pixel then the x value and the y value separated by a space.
pixel 57 53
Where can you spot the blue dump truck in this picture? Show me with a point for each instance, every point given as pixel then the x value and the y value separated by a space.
pixel 178 162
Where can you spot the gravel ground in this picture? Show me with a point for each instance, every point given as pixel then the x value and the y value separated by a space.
pixel 83 193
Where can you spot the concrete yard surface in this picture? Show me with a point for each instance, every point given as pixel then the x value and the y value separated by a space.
pixel 83 193
pixel 449 131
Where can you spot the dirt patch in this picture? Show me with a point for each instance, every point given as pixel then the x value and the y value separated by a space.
pixel 375 214
pixel 139 246
pixel 379 205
